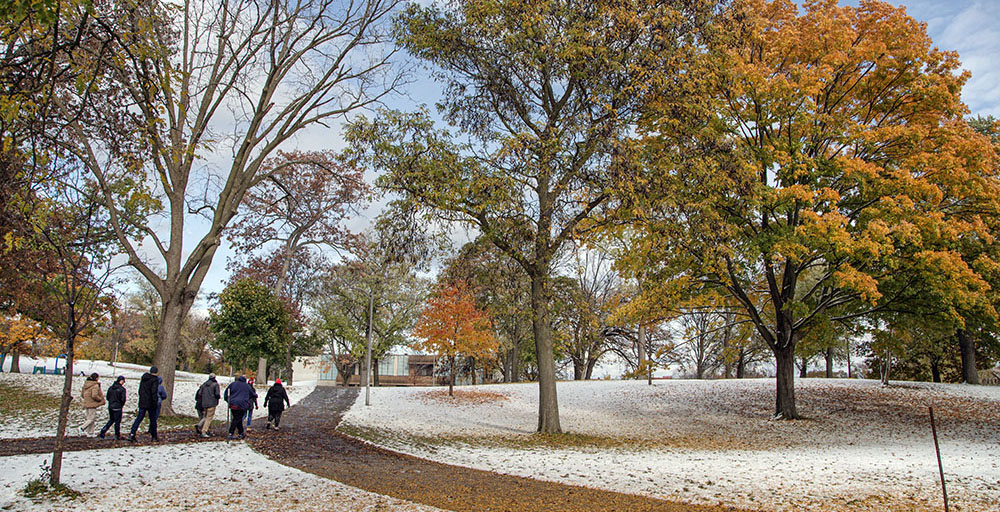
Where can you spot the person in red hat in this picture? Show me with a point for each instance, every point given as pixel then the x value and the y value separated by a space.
pixel 275 401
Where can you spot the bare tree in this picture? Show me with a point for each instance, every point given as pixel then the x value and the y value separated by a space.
pixel 216 89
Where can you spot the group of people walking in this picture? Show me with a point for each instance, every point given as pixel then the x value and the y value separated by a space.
pixel 240 396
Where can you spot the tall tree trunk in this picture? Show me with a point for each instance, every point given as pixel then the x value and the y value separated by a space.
pixel 375 381
pixel 803 368
pixel 967 345
pixel 640 349
pixel 288 365
pixel 548 404
pixel 935 370
pixel 741 365
pixel 591 363
pixel 261 370
pixel 15 362
pixel 67 397
pixel 172 316
pixel 829 362
pixel 886 367
pixel 578 369
pixel 850 374
pixel 451 381
pixel 784 355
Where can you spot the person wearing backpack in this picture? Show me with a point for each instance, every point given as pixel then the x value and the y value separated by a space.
pixel 116 402
pixel 207 397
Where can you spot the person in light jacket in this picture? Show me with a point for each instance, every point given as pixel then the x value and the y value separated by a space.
pixel 92 399
pixel 116 402
pixel 207 397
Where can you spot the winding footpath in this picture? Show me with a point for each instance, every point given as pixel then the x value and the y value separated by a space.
pixel 308 440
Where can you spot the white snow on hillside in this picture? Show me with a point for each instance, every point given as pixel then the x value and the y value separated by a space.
pixel 200 476
pixel 863 447
pixel 44 424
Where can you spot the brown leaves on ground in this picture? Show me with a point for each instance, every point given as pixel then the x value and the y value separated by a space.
pixel 464 397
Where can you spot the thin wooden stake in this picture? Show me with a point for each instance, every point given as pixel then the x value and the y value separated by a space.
pixel 944 490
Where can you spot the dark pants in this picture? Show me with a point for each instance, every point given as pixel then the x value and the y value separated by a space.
pixel 237 421
pixel 274 416
pixel 114 418
pixel 152 423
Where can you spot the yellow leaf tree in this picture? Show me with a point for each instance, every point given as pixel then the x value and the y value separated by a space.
pixel 451 325
pixel 832 175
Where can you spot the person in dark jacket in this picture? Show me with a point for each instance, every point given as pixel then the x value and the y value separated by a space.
pixel 253 402
pixel 239 395
pixel 275 401
pixel 207 398
pixel 148 395
pixel 116 402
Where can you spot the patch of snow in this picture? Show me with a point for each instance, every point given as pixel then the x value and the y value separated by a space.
pixel 863 447
pixel 200 476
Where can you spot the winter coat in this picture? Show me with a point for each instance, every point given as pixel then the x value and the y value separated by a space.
pixel 147 391
pixel 208 394
pixel 92 396
pixel 239 394
pixel 116 397
pixel 276 398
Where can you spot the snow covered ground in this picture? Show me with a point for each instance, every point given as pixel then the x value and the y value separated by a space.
pixel 863 447
pixel 199 476
pixel 44 424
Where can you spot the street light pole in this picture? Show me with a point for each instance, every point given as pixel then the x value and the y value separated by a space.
pixel 368 349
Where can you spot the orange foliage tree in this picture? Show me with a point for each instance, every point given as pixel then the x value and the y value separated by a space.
pixel 450 325
pixel 832 173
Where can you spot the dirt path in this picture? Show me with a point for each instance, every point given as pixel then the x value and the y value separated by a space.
pixel 308 440
pixel 25 446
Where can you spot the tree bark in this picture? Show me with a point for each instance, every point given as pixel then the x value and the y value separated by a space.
pixel 741 365
pixel 591 363
pixel 640 350
pixel 784 355
pixel 172 315
pixel 451 381
pixel 935 370
pixel 262 370
pixel 15 362
pixel 829 362
pixel 578 370
pixel 67 397
pixel 289 368
pixel 967 345
pixel 548 405
pixel 804 368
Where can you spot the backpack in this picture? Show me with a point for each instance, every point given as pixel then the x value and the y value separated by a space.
pixel 197 397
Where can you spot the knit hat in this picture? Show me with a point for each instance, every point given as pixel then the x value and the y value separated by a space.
pixel 277 381
pixel 121 378
pixel 211 375
pixel 153 370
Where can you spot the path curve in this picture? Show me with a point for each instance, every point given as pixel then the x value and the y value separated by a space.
pixel 308 440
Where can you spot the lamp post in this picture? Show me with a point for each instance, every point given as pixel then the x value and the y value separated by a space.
pixel 368 349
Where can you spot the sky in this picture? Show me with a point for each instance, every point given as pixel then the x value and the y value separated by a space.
pixel 969 27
